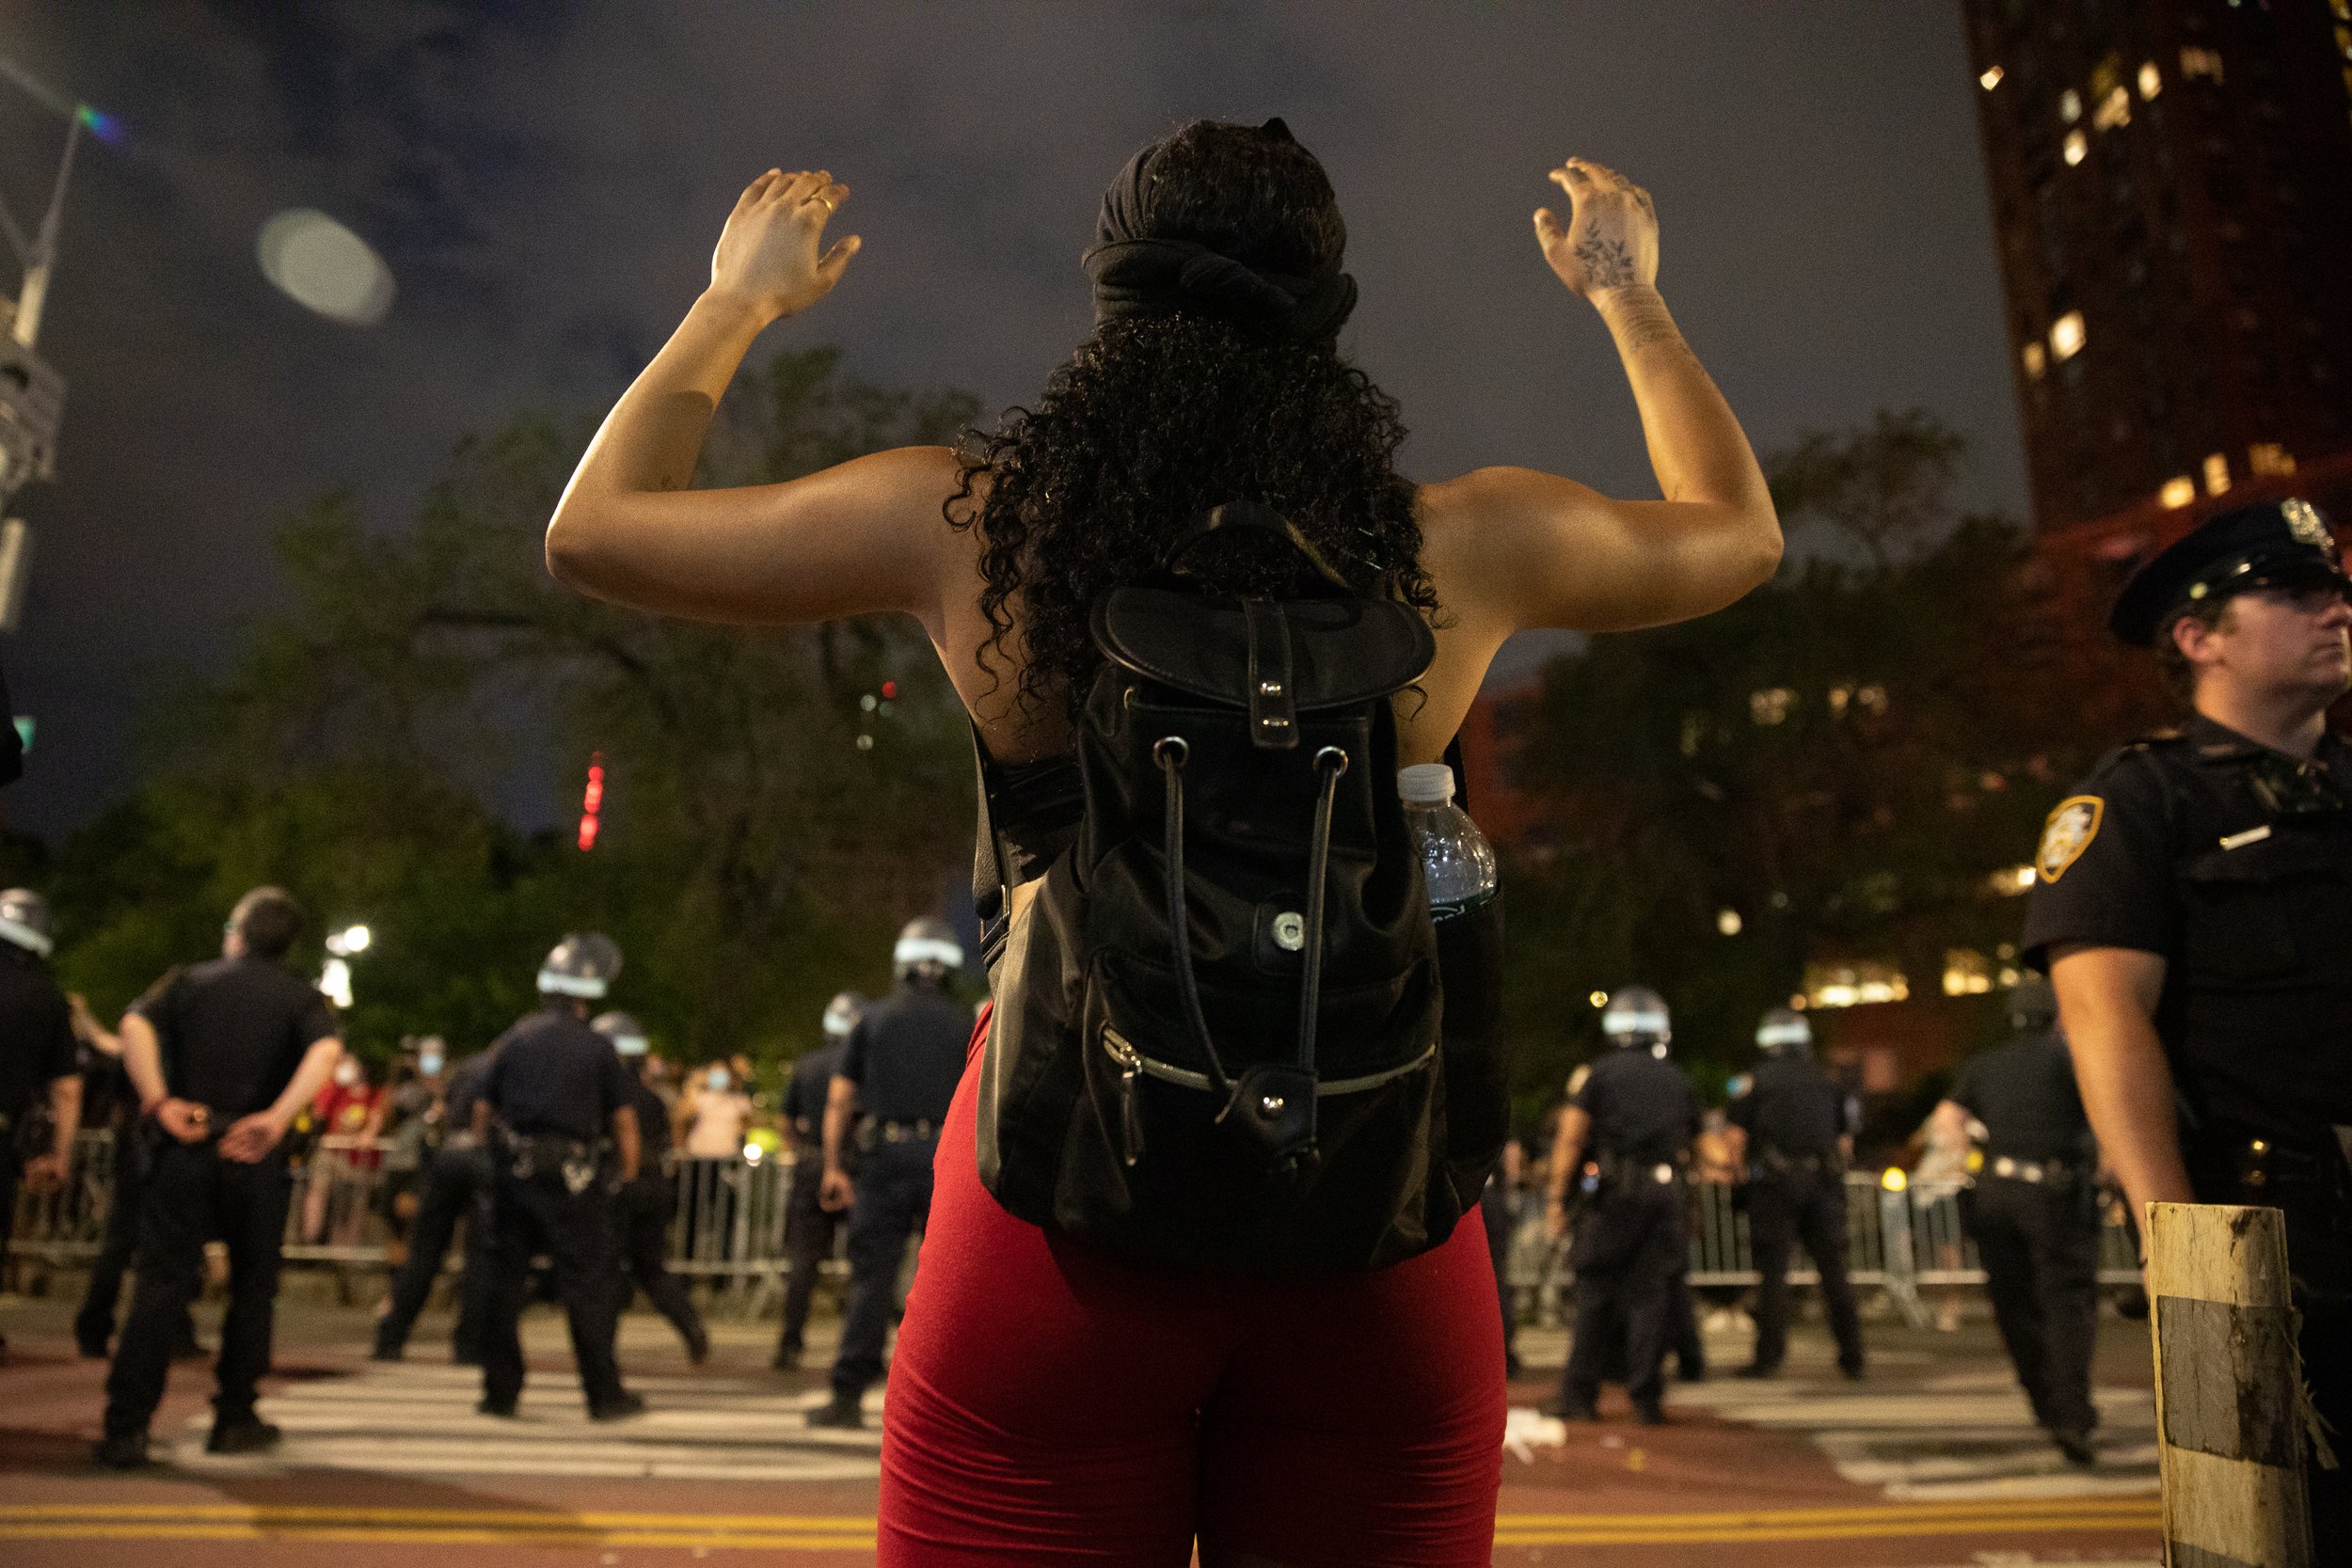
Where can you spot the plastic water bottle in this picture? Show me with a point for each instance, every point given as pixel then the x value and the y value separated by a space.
pixel 1455 858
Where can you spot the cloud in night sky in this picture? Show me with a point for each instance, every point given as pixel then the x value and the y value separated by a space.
pixel 547 180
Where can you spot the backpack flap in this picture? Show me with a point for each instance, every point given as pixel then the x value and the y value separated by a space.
pixel 1322 653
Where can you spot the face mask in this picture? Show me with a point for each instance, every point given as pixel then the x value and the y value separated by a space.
pixel 347 1073
pixel 716 1078
pixel 428 1065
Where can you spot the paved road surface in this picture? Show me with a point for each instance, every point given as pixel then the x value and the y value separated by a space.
pixel 1931 1463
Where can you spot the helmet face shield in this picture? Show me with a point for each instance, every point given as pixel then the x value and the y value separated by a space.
pixel 1783 1029
pixel 842 1013
pixel 24 921
pixel 927 947
pixel 582 966
pixel 627 1035
pixel 1637 1016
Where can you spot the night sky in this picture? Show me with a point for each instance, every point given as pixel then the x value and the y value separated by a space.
pixel 546 181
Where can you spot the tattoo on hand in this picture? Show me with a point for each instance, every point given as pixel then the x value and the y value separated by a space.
pixel 1607 263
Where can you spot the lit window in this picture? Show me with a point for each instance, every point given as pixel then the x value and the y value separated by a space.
pixel 1838 697
pixel 1727 922
pixel 2077 148
pixel 1871 699
pixel 2009 882
pixel 2343 41
pixel 1965 973
pixel 2036 360
pixel 2178 493
pixel 2070 106
pixel 1991 79
pixel 1771 705
pixel 2066 336
pixel 1853 984
pixel 2196 62
pixel 2217 474
pixel 2114 109
pixel 2151 80
pixel 2269 457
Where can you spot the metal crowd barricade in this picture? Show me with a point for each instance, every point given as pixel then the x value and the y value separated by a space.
pixel 728 1225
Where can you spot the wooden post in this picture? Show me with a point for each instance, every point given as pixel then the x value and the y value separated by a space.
pixel 2229 1400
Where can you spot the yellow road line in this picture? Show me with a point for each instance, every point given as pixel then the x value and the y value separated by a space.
pixel 839 1532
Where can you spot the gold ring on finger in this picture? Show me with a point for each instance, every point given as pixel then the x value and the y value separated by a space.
pixel 828 205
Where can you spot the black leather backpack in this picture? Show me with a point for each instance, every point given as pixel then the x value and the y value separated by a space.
pixel 1217 1040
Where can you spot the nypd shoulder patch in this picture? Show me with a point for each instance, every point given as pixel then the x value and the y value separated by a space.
pixel 2067 834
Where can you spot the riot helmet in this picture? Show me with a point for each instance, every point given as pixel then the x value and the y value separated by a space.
pixel 1784 1030
pixel 1636 1017
pixel 582 965
pixel 627 1035
pixel 2032 1003
pixel 928 951
pixel 842 1013
pixel 24 920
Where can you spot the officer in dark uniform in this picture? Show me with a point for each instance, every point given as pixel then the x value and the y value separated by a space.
pixel 106 1085
pixel 899 1066
pixel 2034 1213
pixel 37 1057
pixel 1625 1139
pixel 809 1227
pixel 2193 905
pixel 555 1090
pixel 224 1059
pixel 1795 1134
pixel 648 1203
pixel 458 1187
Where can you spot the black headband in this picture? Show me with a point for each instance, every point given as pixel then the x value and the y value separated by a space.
pixel 1136 275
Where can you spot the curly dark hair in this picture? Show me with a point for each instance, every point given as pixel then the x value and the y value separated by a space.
pixel 1159 417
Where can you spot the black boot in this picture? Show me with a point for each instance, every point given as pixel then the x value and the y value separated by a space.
pixel 845 1414
pixel 247 1433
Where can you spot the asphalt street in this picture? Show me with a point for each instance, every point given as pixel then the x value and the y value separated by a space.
pixel 1932 1462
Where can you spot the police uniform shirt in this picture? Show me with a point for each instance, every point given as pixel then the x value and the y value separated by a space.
pixel 2025 1094
pixel 652 1124
pixel 1641 1108
pixel 233 1031
pixel 805 1097
pixel 36 1032
pixel 906 1054
pixel 2234 864
pixel 1790 1107
pixel 551 1074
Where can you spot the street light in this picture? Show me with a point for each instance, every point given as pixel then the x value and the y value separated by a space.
pixel 341 946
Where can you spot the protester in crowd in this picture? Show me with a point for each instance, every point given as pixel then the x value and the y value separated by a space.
pixel 38 1067
pixel 1349 1420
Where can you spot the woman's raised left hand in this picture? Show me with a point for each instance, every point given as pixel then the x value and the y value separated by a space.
pixel 767 257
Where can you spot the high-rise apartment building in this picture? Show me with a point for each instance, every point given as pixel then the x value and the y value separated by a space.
pixel 2172 190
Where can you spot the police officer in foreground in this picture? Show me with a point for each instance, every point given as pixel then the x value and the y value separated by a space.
pixel 458 1187
pixel 224 1056
pixel 1793 1128
pixel 809 1227
pixel 900 1067
pixel 2034 1213
pixel 555 1091
pixel 648 1204
pixel 1626 1138
pixel 37 1057
pixel 2193 906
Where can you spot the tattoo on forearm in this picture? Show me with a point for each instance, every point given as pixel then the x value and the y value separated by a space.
pixel 1607 263
pixel 1649 325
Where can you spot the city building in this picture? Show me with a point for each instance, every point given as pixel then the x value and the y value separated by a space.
pixel 2169 183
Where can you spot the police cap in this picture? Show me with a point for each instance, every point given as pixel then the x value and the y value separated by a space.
pixel 2281 544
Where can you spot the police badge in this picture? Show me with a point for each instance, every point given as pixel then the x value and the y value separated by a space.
pixel 2303 521
pixel 2067 834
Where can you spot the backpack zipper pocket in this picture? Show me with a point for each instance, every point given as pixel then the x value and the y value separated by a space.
pixel 1132 1062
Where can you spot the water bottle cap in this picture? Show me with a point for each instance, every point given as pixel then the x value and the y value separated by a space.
pixel 1425 784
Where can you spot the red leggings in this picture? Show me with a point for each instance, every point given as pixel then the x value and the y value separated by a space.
pixel 1049 1405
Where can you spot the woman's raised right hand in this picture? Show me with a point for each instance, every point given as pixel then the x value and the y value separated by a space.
pixel 767 258
pixel 1611 238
